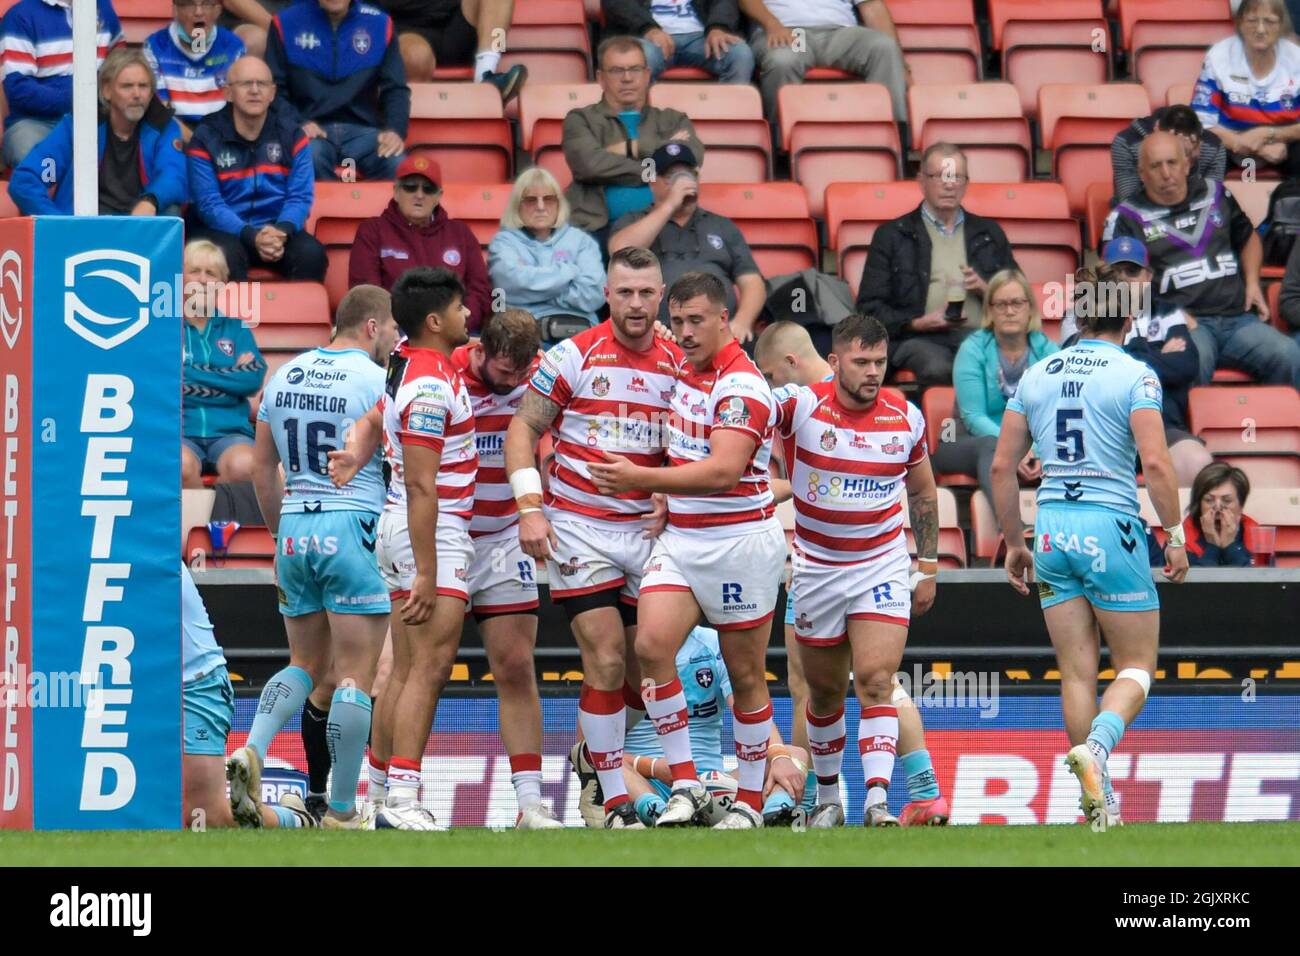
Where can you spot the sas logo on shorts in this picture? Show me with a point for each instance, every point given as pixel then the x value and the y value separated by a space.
pixel 426 419
pixel 704 677
pixel 828 440
pixel 733 598
pixel 895 447
pixel 600 386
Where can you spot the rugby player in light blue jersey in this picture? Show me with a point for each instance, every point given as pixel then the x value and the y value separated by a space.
pixel 707 689
pixel 1092 410
pixel 333 598
pixel 208 703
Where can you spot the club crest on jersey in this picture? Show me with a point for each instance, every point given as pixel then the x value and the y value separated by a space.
pixel 828 440
pixel 715 240
pixel 227 346
pixel 704 677
pixel 895 447
pixel 274 153
pixel 600 386
pixel 361 42
pixel 451 257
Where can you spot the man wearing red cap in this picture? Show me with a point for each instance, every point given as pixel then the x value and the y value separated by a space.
pixel 416 231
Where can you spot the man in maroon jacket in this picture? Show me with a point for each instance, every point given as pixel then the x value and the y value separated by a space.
pixel 416 231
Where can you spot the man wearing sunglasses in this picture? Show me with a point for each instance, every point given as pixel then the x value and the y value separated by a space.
pixel 415 230
pixel 250 172
pixel 190 58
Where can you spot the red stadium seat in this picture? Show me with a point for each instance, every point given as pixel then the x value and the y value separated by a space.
pixel 335 214
pixel 952 540
pixel 1042 42
pixel 463 126
pixel 774 219
pixel 853 213
pixel 1166 42
pixel 940 39
pixel 984 119
pixel 550 37
pixel 7 208
pixel 1180 93
pixel 729 121
pixel 542 109
pixel 1078 123
pixel 1274 293
pixel 287 316
pixel 986 536
pixel 1279 508
pixel 828 74
pixel 142 17
pixel 1096 203
pixel 1258 420
pixel 1050 297
pixel 1036 218
pixel 479 205
pixel 249 547
pixel 938 406
pixel 685 74
pixel 837 131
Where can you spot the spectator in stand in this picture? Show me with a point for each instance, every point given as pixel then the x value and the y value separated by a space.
pixel 1247 92
pixel 689 238
pixel 436 33
pixel 1290 299
pixel 1215 526
pixel 1205 256
pixel 338 65
pixel 141 166
pixel 416 231
pixel 251 180
pixel 250 20
pixel 831 36
pixel 700 33
pixel 1161 338
pixel 986 373
pixel 1205 151
pixel 606 143
pixel 222 368
pixel 927 272
pixel 190 58
pixel 35 38
pixel 544 265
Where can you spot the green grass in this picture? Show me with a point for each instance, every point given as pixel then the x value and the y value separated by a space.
pixel 1194 844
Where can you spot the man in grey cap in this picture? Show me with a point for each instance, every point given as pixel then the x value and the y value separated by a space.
pixel 687 238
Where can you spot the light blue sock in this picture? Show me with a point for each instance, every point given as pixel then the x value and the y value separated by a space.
pixel 648 806
pixel 282 697
pixel 778 799
pixel 809 801
pixel 921 782
pixel 1107 729
pixel 288 819
pixel 346 732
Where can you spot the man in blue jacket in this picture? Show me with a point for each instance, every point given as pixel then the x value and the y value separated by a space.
pixel 251 180
pixel 339 65
pixel 141 166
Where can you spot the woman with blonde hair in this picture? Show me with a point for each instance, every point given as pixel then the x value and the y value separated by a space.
pixel 542 263
pixel 986 372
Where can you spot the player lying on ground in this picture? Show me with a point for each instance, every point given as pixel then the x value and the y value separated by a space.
pixel 1092 410
pixel 208 702
pixel 721 556
pixel 331 594
pixel 787 357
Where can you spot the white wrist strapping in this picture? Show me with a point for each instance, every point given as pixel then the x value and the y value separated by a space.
pixel 526 481
pixel 1177 539
pixel 916 578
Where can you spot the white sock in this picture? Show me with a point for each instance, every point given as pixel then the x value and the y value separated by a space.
pixel 878 745
pixel 826 737
pixel 485 61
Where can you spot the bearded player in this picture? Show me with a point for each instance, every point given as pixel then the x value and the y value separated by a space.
pixel 605 389
pixel 722 554
pixel 787 357
pixel 852 450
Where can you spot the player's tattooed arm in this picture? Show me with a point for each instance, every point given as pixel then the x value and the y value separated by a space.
pixel 532 420
pixel 538 412
pixel 923 506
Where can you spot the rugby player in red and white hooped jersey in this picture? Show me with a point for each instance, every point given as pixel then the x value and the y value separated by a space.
pixel 605 389
pixel 502 579
pixel 723 553
pixel 852 450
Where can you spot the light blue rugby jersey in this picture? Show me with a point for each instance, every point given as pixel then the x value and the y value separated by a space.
pixel 310 404
pixel 202 654
pixel 1078 403
pixel 707 686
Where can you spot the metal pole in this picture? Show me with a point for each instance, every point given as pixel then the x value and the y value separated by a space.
pixel 85 108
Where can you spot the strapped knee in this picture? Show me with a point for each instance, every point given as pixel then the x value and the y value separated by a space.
pixel 1141 677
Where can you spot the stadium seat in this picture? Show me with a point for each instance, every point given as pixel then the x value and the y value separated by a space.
pixel 729 120
pixel 7 208
pixel 828 74
pixel 1253 197
pixel 837 131
pixel 248 547
pixel 196 509
pixel 1279 508
pixel 952 540
pixel 940 39
pixel 335 214
pixel 463 126
pixel 1274 293
pixel 1167 41
pixel 853 213
pixel 938 407
pixel 142 17
pixel 542 109
pixel 286 316
pixel 550 37
pixel 1036 218
pixel 774 219
pixel 479 205
pixel 1050 297
pixel 1180 93
pixel 986 536
pixel 1096 207
pixel 1042 42
pixel 1079 122
pixel 984 119
pixel 1258 420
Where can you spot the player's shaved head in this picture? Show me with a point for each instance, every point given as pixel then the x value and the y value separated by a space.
pixel 1163 168
pixel 784 338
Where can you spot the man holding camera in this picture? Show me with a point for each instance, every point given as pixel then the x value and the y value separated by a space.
pixel 926 272
pixel 687 238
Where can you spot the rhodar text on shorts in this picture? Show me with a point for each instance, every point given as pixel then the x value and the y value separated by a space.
pixel 397 561
pixel 735 578
pixel 825 597
pixel 593 556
